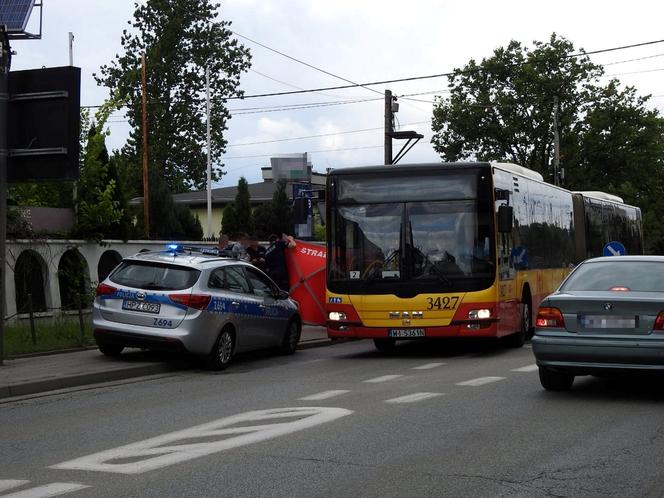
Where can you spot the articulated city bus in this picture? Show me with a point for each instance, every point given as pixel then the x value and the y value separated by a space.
pixel 458 249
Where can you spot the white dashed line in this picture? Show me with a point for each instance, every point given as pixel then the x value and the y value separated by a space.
pixel 527 368
pixel 324 395
pixel 479 381
pixel 413 398
pixel 383 378
pixel 427 366
pixel 6 484
pixel 53 489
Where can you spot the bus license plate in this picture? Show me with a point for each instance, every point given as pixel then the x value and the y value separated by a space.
pixel 141 306
pixel 406 333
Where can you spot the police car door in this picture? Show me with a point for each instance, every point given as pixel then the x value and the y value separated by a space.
pixel 274 314
pixel 234 298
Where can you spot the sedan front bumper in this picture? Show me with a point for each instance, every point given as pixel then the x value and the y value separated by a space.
pixel 582 355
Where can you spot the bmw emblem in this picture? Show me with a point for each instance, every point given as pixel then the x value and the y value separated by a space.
pixel 140 295
pixel 608 306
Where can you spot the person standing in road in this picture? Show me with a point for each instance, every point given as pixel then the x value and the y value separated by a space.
pixel 275 259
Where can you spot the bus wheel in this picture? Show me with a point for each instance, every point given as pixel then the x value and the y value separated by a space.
pixel 518 339
pixel 384 344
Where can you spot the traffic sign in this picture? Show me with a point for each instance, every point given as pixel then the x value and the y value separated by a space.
pixel 614 248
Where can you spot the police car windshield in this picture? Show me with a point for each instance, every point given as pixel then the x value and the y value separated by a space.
pixel 154 276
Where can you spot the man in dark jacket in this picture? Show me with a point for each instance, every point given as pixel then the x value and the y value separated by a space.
pixel 275 259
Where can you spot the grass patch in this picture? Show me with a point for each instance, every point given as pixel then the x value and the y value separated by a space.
pixel 63 333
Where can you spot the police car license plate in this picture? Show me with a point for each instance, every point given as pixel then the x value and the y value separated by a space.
pixel 142 306
pixel 406 333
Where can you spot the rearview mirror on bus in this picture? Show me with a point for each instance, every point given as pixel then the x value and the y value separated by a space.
pixel 505 216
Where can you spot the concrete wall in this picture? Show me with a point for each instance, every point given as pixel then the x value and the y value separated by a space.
pixel 50 253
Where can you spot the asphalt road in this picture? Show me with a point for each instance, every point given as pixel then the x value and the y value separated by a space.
pixel 441 419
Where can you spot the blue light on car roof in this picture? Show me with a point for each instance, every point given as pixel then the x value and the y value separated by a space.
pixel 174 247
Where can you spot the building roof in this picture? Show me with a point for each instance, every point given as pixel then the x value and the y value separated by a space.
pixel 258 193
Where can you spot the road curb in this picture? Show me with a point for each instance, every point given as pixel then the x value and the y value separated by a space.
pixel 83 379
pixel 65 382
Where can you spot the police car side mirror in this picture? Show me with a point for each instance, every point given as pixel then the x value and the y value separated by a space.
pixel 280 294
pixel 505 217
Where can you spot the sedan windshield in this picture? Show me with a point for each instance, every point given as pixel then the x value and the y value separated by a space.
pixel 640 276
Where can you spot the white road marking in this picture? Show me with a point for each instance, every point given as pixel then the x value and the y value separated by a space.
pixel 527 368
pixel 181 446
pixel 427 366
pixel 479 381
pixel 413 398
pixel 383 378
pixel 53 489
pixel 6 484
pixel 324 395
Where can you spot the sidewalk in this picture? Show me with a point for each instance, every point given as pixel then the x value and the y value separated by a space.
pixel 38 374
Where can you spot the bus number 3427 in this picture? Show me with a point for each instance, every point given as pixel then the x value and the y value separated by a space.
pixel 442 303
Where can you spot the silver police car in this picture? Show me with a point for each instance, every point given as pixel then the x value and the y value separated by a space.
pixel 182 299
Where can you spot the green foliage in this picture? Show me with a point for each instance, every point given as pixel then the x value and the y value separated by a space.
pixel 180 39
pixel 319 232
pixel 502 109
pixel 64 333
pixel 237 215
pixel 168 221
pixel 274 216
pixel 242 205
pixel 100 205
pixel 47 194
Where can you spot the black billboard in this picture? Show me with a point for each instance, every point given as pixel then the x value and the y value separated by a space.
pixel 44 124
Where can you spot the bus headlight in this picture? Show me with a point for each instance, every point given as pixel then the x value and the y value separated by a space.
pixel 479 314
pixel 336 316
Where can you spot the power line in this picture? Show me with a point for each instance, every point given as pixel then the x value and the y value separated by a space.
pixel 321 151
pixel 305 63
pixel 318 136
pixel 439 75
pixel 303 106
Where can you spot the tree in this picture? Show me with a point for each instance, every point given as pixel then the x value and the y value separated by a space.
pixel 99 209
pixel 502 109
pixel 274 216
pixel 180 39
pixel 169 221
pixel 237 215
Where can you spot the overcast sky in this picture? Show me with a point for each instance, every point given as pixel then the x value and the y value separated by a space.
pixel 362 41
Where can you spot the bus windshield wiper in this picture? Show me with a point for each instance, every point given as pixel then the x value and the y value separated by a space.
pixel 432 269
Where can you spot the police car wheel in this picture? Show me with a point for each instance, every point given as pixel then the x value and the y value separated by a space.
pixel 110 349
pixel 222 352
pixel 291 338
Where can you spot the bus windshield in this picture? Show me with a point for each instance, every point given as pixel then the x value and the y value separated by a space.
pixel 439 245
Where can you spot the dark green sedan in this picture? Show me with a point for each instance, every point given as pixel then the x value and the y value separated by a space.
pixel 606 317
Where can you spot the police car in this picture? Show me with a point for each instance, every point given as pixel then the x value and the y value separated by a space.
pixel 182 299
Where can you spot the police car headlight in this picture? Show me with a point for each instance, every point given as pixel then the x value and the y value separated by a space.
pixel 336 316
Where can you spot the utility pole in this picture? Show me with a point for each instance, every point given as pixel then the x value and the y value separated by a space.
pixel 4 155
pixel 209 165
pixel 146 190
pixel 556 143
pixel 389 127
pixel 71 48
